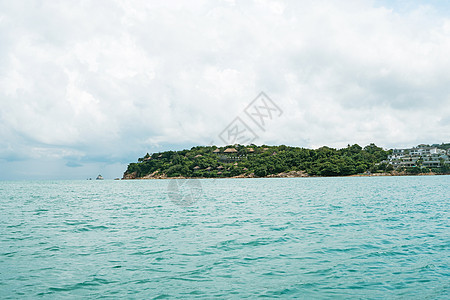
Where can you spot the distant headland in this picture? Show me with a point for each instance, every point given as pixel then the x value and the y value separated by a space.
pixel 251 161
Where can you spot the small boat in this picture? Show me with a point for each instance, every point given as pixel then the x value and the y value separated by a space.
pixel 99 177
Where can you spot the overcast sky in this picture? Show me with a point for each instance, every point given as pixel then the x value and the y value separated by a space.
pixel 88 86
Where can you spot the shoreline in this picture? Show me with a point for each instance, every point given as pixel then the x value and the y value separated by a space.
pixel 289 176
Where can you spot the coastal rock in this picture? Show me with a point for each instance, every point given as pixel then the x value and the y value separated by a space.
pixel 129 175
pixel 290 174
pixel 150 176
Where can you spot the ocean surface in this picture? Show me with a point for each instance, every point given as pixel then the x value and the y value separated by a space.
pixel 303 238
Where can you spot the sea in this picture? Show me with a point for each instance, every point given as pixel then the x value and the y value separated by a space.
pixel 293 238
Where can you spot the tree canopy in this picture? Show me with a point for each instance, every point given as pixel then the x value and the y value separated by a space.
pixel 260 161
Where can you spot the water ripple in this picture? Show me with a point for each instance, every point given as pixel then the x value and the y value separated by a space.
pixel 367 238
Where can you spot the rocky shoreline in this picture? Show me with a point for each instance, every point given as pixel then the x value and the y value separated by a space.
pixel 291 174
pixel 156 175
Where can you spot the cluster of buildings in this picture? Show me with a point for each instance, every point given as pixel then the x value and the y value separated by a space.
pixel 422 155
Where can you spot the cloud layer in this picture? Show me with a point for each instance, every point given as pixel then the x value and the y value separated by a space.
pixel 96 84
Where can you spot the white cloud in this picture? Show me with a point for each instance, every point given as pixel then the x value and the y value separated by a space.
pixel 117 79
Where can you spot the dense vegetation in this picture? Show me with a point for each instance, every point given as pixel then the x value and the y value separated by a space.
pixel 261 161
pixel 444 146
pixel 445 169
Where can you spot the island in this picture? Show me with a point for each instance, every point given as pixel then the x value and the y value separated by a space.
pixel 250 161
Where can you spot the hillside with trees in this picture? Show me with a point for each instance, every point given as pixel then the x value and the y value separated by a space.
pixel 259 161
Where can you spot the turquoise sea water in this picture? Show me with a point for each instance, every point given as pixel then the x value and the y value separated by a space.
pixel 374 238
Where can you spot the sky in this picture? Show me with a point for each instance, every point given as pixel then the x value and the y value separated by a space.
pixel 87 87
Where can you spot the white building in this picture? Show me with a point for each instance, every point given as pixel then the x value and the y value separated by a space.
pixel 430 157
